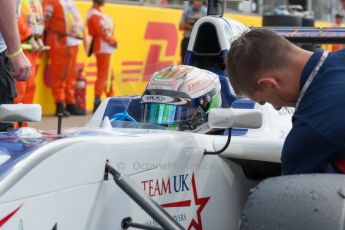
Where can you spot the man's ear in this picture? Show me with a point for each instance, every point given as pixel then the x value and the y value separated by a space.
pixel 268 81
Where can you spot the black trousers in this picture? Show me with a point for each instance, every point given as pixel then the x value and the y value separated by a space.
pixel 184 46
pixel 7 87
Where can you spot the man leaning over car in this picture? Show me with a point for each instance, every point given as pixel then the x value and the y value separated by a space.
pixel 283 74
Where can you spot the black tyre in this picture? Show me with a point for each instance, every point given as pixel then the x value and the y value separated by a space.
pixel 314 201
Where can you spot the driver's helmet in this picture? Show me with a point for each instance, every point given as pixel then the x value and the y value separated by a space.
pixel 180 97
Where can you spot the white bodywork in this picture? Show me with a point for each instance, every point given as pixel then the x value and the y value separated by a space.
pixel 62 182
pixel 226 117
pixel 227 30
pixel 21 113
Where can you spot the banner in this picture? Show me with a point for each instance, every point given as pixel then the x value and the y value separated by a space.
pixel 148 40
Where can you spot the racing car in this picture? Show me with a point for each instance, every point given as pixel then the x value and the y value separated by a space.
pixel 118 172
pixel 66 181
pixel 165 151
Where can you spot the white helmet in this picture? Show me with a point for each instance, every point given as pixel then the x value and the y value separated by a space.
pixel 180 96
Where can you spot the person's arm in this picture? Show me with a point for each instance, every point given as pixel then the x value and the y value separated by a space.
pixel 186 26
pixel 21 67
pixel 25 32
pixel 307 151
pixel 183 24
pixel 26 35
pixel 8 25
pixel 100 30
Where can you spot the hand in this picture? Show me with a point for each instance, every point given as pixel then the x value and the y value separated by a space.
pixel 114 44
pixel 35 46
pixel 187 26
pixel 21 67
pixel 40 44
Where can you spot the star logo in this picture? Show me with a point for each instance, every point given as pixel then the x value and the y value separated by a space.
pixel 9 216
pixel 200 202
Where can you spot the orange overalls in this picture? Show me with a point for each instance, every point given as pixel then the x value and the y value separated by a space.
pixel 63 25
pixel 30 25
pixel 101 28
pixel 336 47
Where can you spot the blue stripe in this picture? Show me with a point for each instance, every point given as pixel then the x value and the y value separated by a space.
pixel 241 104
pixel 17 148
pixel 188 58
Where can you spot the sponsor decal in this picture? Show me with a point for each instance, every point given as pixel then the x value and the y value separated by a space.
pixel 195 85
pixel 9 216
pixel 178 218
pixel 156 99
pixel 55 227
pixel 164 100
pixel 163 186
pixel 177 184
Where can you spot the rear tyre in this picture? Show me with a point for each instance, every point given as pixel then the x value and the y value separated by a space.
pixel 314 201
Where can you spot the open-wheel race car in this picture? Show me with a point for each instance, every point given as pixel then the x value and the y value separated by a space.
pixel 66 181
pixel 166 177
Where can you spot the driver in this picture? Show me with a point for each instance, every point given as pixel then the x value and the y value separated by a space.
pixel 180 97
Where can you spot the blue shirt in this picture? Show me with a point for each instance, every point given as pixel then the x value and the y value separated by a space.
pixel 317 137
pixel 190 16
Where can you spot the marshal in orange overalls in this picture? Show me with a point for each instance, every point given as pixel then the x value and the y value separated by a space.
pixel 63 26
pixel 101 28
pixel 30 25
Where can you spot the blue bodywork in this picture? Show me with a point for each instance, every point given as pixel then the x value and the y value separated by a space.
pixel 17 148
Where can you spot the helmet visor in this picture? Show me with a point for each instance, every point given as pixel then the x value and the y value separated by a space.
pixel 168 108
pixel 167 114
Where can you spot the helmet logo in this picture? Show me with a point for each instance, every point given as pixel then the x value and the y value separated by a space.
pixel 204 102
pixel 156 99
pixel 196 84
pixel 164 100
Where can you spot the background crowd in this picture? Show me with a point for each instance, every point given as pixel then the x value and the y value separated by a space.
pixel 31 26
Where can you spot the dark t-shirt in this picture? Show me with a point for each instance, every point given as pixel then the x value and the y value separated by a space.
pixel 7 87
pixel 317 138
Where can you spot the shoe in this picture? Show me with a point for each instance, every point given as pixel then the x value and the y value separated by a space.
pixel 60 109
pixel 96 103
pixel 74 110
